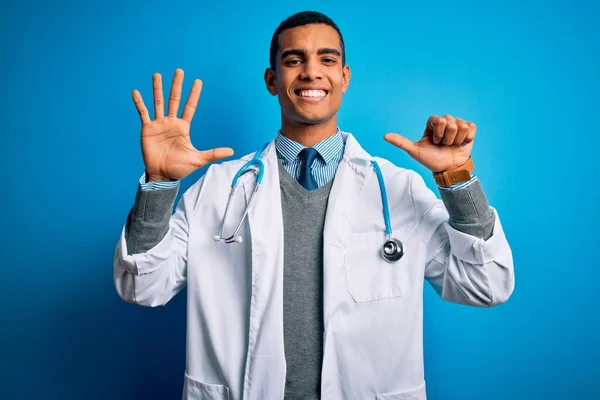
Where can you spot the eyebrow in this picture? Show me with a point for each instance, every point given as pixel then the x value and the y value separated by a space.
pixel 302 53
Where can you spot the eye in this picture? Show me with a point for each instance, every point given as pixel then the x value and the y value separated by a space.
pixel 329 60
pixel 294 61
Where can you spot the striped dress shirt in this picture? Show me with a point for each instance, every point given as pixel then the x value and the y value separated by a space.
pixel 323 169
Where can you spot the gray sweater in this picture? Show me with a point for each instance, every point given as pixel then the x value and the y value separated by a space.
pixel 303 221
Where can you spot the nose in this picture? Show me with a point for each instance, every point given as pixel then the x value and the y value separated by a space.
pixel 311 71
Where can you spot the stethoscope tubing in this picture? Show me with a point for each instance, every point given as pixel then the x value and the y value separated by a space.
pixel 392 249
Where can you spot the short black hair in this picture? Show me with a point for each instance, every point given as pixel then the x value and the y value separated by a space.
pixel 301 19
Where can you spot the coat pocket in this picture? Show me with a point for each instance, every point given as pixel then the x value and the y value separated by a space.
pixel 369 277
pixel 418 393
pixel 195 390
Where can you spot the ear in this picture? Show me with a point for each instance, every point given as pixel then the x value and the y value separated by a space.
pixel 270 81
pixel 346 78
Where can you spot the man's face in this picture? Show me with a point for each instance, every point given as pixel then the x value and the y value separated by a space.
pixel 309 78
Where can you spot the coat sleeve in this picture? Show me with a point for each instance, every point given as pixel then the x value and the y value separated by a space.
pixel 152 274
pixel 463 263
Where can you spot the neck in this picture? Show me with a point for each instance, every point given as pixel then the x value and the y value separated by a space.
pixel 308 134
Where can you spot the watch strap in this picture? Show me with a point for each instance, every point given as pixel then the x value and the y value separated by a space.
pixel 458 175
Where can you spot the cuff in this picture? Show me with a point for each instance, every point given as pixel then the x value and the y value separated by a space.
pixel 154 185
pixel 459 185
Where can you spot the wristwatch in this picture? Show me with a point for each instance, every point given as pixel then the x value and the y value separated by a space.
pixel 458 175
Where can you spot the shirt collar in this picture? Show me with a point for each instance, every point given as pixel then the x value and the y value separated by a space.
pixel 328 148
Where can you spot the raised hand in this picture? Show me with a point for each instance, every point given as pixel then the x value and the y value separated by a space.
pixel 446 143
pixel 167 150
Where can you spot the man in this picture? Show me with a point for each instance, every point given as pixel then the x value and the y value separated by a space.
pixel 303 304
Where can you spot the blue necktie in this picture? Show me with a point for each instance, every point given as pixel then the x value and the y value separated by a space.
pixel 308 156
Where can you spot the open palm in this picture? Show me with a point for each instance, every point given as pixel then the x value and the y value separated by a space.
pixel 167 150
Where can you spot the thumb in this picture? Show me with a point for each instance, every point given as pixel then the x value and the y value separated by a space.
pixel 400 141
pixel 208 156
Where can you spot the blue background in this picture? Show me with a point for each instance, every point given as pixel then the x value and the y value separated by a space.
pixel 524 72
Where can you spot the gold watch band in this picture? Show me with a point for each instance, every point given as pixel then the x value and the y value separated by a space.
pixel 458 175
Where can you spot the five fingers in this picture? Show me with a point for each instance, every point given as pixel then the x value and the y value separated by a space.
pixel 174 98
pixel 450 131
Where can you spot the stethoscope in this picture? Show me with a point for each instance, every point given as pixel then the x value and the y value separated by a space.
pixel 391 251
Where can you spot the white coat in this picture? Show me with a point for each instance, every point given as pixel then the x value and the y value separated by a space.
pixel 373 346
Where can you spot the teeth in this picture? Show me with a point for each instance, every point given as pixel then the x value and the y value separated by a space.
pixel 312 93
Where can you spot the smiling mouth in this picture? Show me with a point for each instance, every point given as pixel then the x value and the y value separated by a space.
pixel 311 94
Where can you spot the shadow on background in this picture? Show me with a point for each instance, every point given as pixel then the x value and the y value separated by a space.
pixel 86 343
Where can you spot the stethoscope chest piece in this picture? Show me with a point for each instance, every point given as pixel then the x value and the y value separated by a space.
pixel 392 250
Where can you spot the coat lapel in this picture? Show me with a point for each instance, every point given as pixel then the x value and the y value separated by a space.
pixel 265 366
pixel 345 192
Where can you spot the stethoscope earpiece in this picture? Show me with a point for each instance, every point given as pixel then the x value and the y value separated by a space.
pixel 257 167
pixel 236 239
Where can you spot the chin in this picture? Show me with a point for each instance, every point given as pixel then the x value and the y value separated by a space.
pixel 314 117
